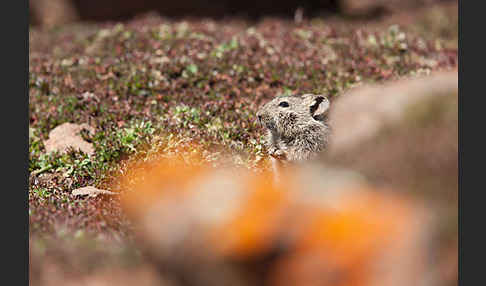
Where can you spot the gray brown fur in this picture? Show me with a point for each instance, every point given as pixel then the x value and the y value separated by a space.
pixel 297 127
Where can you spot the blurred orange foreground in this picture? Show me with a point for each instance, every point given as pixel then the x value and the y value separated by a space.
pixel 307 231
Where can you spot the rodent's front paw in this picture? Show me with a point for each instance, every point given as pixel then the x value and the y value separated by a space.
pixel 277 153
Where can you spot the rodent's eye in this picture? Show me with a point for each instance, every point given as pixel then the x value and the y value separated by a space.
pixel 283 104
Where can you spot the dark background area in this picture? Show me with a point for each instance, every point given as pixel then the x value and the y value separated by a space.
pixel 54 12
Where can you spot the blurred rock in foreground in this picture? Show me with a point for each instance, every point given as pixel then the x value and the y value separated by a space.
pixel 324 226
pixel 403 134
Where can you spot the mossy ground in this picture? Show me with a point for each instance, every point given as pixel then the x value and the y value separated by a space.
pixel 157 84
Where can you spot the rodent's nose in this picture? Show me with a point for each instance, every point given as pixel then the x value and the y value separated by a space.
pixel 259 118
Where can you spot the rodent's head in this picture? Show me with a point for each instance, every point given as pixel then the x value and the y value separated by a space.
pixel 287 115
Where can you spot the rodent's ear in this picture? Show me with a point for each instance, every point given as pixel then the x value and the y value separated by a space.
pixel 319 107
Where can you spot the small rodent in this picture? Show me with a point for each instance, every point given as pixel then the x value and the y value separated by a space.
pixel 297 127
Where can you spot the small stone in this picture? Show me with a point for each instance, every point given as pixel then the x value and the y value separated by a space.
pixel 67 135
pixel 91 191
